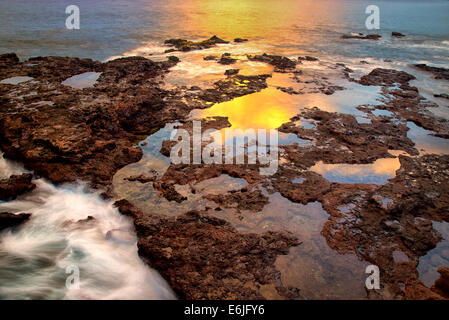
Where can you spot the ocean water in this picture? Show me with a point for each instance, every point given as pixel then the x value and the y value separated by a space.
pixel 115 28
pixel 38 257
pixel 112 27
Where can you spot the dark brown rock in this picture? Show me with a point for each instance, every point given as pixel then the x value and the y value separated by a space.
pixel 361 36
pixel 205 258
pixel 186 45
pixel 9 220
pixel 16 185
pixel 279 62
pixel 379 77
pixel 397 34
pixel 438 73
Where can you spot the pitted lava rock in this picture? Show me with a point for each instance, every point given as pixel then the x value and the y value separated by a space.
pixel 416 290
pixel 397 216
pixel 16 185
pixel 340 138
pixel 65 134
pixel 205 258
pixel 405 100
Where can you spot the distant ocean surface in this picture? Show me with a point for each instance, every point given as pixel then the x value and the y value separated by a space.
pixel 113 27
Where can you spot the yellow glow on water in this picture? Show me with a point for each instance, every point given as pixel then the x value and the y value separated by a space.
pixel 267 109
pixel 233 18
pixel 255 19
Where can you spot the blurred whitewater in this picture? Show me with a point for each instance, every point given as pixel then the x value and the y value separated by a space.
pixel 34 257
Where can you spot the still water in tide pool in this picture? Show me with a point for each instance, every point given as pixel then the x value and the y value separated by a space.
pixel 53 238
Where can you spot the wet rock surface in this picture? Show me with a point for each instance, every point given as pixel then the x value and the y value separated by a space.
pixel 416 290
pixel 16 185
pixel 205 258
pixel 65 134
pixel 9 220
pixel 438 73
pixel 187 45
pixel 390 226
pixel 397 34
pixel 280 63
pixel 339 138
pixel 362 36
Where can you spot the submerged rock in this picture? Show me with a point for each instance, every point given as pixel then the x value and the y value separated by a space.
pixel 438 73
pixel 442 95
pixel 362 36
pixel 205 258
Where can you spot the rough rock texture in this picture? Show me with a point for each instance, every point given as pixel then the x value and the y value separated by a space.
pixel 186 45
pixel 441 285
pixel 405 100
pixel 65 134
pixel 339 138
pixel 16 185
pixel 280 63
pixel 397 216
pixel 205 258
pixel 416 290
pixel 379 77
pixel 242 200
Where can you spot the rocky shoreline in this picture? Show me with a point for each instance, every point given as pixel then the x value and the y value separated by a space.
pixel 66 134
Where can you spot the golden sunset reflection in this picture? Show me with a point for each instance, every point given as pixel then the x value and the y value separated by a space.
pixel 256 19
pixel 267 109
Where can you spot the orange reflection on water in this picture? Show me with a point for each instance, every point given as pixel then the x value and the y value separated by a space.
pixel 277 20
pixel 267 109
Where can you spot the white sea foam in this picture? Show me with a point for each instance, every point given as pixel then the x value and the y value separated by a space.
pixel 34 257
